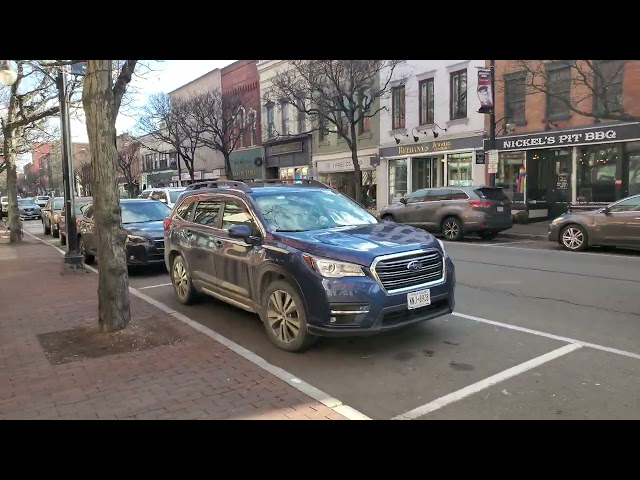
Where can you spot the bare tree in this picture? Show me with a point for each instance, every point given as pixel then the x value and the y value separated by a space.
pixel 337 96
pixel 221 118
pixel 171 124
pixel 102 96
pixel 128 158
pixel 26 107
pixel 84 177
pixel 591 88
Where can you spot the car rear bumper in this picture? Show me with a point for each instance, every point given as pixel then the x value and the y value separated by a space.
pixel 382 312
pixel 481 223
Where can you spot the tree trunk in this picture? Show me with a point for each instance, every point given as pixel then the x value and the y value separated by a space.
pixel 356 164
pixel 227 165
pixel 10 146
pixel 113 279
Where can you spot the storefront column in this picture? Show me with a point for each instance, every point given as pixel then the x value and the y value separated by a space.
pixel 574 174
pixel 445 171
pixel 409 175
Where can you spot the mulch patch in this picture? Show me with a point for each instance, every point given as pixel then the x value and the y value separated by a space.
pixel 64 346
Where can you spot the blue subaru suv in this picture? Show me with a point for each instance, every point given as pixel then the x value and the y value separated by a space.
pixel 308 260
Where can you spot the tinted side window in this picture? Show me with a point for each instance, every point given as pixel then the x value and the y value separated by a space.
pixel 236 214
pixel 207 212
pixel 456 195
pixel 438 194
pixel 491 193
pixel 183 210
pixel 628 205
pixel 418 196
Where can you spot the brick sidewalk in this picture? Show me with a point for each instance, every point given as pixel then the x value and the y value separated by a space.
pixel 196 378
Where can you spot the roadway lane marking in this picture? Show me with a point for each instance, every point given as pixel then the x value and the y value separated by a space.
pixel 155 286
pixel 487 382
pixel 600 254
pixel 595 346
pixel 304 387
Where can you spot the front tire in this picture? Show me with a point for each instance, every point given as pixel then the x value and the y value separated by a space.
pixel 452 229
pixel 55 232
pixel 181 280
pixel 574 238
pixel 45 229
pixel 285 317
pixel 82 249
pixel 63 239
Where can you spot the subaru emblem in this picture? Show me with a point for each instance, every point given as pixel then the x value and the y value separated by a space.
pixel 415 266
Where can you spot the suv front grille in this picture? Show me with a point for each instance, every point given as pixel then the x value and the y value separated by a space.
pixel 394 273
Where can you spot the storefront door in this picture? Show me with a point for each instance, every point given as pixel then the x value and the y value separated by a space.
pixel 427 172
pixel 549 180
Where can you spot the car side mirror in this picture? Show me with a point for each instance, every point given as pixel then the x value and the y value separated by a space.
pixel 403 201
pixel 607 210
pixel 242 232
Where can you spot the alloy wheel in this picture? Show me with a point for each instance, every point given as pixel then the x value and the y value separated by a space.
pixel 283 316
pixel 180 279
pixel 451 229
pixel 572 238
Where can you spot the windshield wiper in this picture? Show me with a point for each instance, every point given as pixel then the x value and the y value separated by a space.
pixel 295 230
pixel 141 221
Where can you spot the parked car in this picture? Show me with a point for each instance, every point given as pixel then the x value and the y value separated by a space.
pixel 308 260
pixel 454 211
pixel 617 225
pixel 143 221
pixel 168 195
pixel 51 216
pixel 80 204
pixel 29 209
pixel 5 206
pixel 42 200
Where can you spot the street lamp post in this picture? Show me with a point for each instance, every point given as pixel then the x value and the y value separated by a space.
pixel 73 260
pixel 492 119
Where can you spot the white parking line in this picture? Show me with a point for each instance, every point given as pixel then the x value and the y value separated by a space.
pixel 155 286
pixel 595 346
pixel 304 387
pixel 487 382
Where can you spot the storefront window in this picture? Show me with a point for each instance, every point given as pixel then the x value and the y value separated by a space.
pixel 597 173
pixel 459 169
pixel 538 173
pixel 633 154
pixel 512 175
pixel 397 180
pixel 294 173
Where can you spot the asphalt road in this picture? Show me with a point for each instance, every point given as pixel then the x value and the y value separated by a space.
pixel 539 333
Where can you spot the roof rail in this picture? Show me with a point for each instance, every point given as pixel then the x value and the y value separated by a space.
pixel 290 182
pixel 219 184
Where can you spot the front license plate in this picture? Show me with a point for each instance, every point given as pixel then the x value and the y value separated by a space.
pixel 500 209
pixel 418 299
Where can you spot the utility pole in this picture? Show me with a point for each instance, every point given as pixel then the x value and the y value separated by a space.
pixel 492 118
pixel 72 259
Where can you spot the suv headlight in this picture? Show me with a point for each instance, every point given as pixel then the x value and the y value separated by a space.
pixel 333 268
pixel 137 240
pixel 444 252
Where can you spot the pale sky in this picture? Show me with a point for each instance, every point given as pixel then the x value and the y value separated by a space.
pixel 167 75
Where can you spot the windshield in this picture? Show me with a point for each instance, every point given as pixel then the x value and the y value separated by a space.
pixel 312 210
pixel 174 194
pixel 135 212
pixel 58 203
pixel 24 202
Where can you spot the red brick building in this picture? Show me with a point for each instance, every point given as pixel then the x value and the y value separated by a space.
pixel 550 155
pixel 241 80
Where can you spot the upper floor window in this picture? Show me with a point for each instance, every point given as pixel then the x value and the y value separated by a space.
pixel 397 107
pixel 252 128
pixel 515 91
pixel 426 91
pixel 558 91
pixel 458 97
pixel 364 126
pixel 607 85
pixel 284 113
pixel 323 131
pixel 148 161
pixel 162 161
pixel 271 127
pixel 301 117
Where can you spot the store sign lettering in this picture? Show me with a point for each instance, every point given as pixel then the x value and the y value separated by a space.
pixel 563 139
pixel 424 148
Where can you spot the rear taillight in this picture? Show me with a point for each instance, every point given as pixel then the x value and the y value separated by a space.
pixel 480 203
pixel 166 224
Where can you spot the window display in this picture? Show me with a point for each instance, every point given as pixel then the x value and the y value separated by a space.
pixel 294 173
pixel 397 180
pixel 512 175
pixel 459 167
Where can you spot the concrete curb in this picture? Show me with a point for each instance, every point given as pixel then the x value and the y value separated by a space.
pixel 523 236
pixel 333 403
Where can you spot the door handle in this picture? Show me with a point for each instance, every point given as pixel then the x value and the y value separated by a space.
pixel 218 244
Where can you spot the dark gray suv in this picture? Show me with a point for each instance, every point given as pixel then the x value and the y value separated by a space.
pixel 454 211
